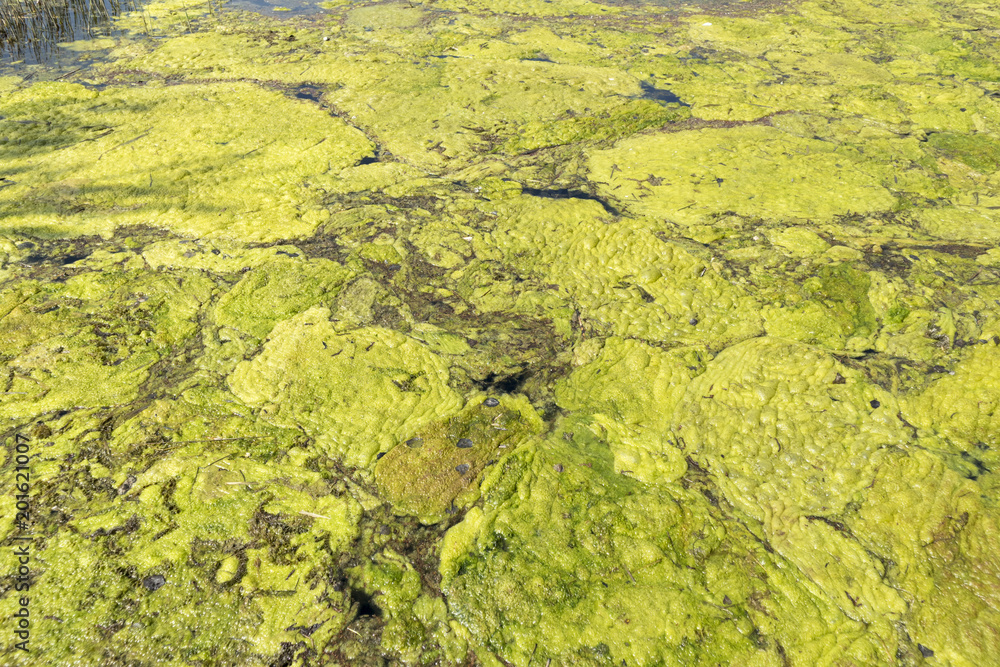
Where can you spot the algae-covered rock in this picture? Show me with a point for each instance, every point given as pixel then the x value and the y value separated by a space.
pixel 835 311
pixel 629 392
pixel 277 291
pixel 755 171
pixel 931 527
pixel 626 274
pixel 430 470
pixel 593 567
pixel 92 339
pixel 964 405
pixel 230 160
pixel 209 536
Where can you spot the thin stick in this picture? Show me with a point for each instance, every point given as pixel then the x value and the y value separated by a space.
pixel 68 73
pixel 258 148
pixel 126 143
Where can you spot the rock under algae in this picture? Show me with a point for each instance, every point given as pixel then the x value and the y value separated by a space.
pixel 428 473
pixel 630 389
pixel 291 286
pixel 458 333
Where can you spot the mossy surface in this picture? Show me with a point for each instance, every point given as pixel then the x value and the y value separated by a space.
pixel 430 470
pixel 729 273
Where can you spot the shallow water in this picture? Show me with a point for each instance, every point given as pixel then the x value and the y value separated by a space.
pixel 31 32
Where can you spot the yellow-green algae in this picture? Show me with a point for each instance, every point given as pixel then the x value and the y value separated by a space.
pixel 730 273
pixel 355 392
pixel 202 160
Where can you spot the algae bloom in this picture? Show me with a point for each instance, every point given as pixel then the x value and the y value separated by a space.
pixel 454 332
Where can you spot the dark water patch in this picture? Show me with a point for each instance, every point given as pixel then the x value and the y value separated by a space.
pixel 566 193
pixel 964 251
pixel 888 261
pixel 52 260
pixel 307 92
pixel 365 603
pixel 651 92
pixel 507 384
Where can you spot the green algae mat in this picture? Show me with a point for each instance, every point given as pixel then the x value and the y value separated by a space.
pixel 531 333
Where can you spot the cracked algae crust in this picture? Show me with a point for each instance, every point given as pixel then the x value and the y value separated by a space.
pixel 744 347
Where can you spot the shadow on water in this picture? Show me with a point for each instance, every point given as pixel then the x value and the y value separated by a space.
pixel 31 29
pixel 62 198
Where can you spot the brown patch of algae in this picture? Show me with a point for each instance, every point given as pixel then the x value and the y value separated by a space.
pixel 430 471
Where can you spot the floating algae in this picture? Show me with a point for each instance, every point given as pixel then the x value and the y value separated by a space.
pixel 441 333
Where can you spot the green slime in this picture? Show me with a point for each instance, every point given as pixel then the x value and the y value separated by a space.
pixel 746 348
